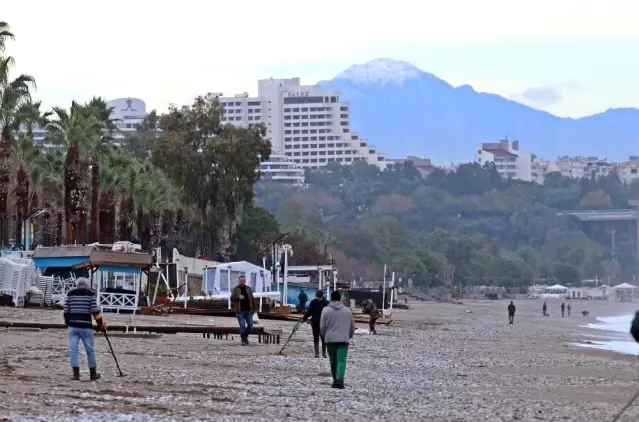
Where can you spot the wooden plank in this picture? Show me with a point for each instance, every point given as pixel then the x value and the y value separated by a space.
pixel 164 329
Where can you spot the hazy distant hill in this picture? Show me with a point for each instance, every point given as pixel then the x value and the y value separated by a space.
pixel 404 110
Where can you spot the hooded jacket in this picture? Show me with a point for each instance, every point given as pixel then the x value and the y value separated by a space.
pixel 336 323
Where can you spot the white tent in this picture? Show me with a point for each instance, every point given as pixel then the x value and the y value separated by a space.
pixel 626 292
pixel 221 279
pixel 218 281
pixel 624 286
pixel 556 289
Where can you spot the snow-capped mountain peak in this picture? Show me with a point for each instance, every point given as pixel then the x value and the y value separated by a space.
pixel 381 71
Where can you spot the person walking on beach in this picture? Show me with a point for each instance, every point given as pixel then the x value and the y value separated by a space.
pixel 242 297
pixel 314 312
pixel 80 306
pixel 544 309
pixel 511 313
pixel 337 326
pixel 563 308
pixel 302 298
pixel 373 312
pixel 569 307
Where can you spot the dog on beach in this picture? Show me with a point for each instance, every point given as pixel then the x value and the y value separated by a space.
pixel 584 313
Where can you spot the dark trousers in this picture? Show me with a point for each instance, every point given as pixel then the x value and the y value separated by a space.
pixel 316 335
pixel 511 318
pixel 371 324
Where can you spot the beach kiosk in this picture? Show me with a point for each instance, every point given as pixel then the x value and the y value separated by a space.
pixel 56 263
pixel 118 277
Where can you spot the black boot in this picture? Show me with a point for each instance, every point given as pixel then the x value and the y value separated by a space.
pixel 316 350
pixel 93 374
pixel 324 350
pixel 339 384
pixel 76 374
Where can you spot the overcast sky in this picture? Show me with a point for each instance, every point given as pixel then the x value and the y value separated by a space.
pixel 570 57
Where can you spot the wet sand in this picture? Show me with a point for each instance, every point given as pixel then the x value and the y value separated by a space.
pixel 437 362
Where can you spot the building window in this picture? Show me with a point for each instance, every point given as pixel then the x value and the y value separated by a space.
pixel 253 103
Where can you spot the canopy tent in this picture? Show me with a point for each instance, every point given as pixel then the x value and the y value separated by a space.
pixel 556 289
pixel 624 286
pixel 626 292
pixel 220 280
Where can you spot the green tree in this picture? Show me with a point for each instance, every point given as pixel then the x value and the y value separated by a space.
pixel 15 100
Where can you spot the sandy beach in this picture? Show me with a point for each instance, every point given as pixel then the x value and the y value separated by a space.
pixel 436 362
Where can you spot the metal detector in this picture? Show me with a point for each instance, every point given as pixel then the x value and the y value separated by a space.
pixel 295 328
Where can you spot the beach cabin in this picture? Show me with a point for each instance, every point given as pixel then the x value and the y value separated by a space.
pixel 576 293
pixel 118 277
pixel 57 263
pixel 625 292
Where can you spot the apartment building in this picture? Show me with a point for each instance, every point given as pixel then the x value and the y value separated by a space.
pixel 511 163
pixel 306 123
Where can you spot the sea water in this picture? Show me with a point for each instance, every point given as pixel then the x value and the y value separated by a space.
pixel 615 335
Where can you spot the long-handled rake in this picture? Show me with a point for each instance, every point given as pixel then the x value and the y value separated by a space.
pixel 120 374
pixel 295 328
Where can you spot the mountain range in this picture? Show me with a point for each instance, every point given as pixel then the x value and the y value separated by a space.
pixel 406 111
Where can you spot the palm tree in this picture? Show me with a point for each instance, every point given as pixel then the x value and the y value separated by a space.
pixel 24 156
pixel 100 144
pixel 5 34
pixel 77 131
pixel 15 95
pixel 47 176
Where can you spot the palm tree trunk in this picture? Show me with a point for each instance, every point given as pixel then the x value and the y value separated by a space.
pixel 22 204
pixel 95 201
pixel 107 217
pixel 5 172
pixel 70 189
pixel 58 231
pixel 125 223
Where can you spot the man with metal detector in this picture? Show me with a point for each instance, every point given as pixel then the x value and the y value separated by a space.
pixel 242 297
pixel 80 306
pixel 337 326
pixel 314 312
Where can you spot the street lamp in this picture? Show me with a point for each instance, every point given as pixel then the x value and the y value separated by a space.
pixel 273 255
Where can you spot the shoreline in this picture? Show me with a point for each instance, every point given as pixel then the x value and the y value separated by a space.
pixel 436 362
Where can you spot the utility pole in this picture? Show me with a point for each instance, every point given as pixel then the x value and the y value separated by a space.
pixel 635 204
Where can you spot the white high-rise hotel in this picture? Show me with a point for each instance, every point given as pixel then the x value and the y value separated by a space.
pixel 307 124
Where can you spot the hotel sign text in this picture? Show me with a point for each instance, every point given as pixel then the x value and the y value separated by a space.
pixel 298 94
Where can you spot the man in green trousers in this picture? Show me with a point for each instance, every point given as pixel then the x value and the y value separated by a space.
pixel 337 327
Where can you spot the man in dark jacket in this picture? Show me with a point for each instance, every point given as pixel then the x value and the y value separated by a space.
pixel 242 297
pixel 302 298
pixel 511 313
pixel 314 312
pixel 80 306
pixel 371 309
pixel 563 309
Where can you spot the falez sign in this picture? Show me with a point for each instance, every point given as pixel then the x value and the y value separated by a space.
pixel 298 94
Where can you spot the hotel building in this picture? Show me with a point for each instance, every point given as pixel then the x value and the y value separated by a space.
pixel 307 124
